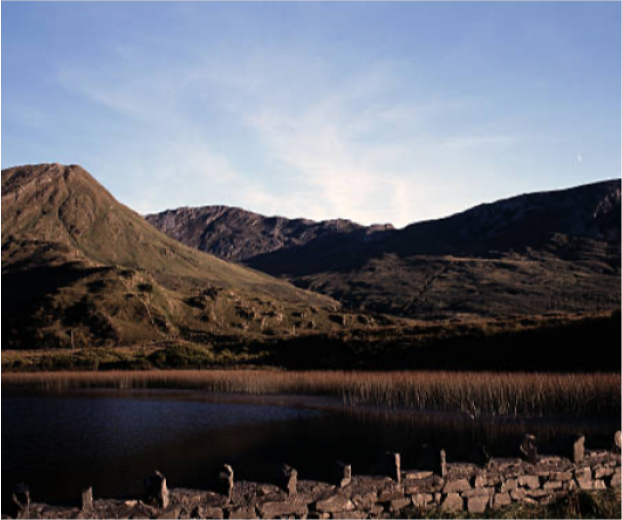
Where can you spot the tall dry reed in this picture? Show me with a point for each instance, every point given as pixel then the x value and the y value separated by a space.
pixel 472 392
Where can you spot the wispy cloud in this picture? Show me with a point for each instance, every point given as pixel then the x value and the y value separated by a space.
pixel 326 144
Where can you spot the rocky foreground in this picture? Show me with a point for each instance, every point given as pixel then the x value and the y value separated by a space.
pixel 454 487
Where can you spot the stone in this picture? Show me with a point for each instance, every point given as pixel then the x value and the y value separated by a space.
pixel 480 455
pixel 394 466
pixel 529 481
pixel 538 493
pixel 226 482
pixel 243 513
pixel 417 475
pixel 603 472
pixel 432 459
pixel 517 494
pixel 479 481
pixel 478 492
pixel 170 513
pixel 453 502
pixel 509 485
pixel 87 499
pixel 617 441
pixel 334 504
pixel 399 504
pixel 578 450
pixel 583 474
pixel 615 480
pixel 456 486
pixel 350 515
pixel 552 485
pixel 343 474
pixel 388 495
pixel 591 485
pixel 501 500
pixel 156 490
pixel 21 501
pixel 286 508
pixel 477 504
pixel 210 513
pixel 561 475
pixel 422 499
pixel 529 449
pixel 288 478
pixel 376 510
pixel 365 501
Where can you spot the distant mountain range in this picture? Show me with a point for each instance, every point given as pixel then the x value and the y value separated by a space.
pixel 81 269
pixel 538 253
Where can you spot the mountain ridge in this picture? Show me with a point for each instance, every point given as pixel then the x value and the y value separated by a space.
pixel 531 237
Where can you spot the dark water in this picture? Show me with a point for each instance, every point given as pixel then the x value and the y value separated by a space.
pixel 58 444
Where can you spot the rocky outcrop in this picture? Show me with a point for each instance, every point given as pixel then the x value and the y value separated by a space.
pixel 237 235
pixel 464 487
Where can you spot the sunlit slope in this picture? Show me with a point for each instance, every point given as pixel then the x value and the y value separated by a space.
pixel 80 268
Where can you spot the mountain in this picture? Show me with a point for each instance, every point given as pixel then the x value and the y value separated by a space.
pixel 81 269
pixel 238 235
pixel 540 253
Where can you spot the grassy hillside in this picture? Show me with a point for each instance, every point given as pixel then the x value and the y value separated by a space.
pixel 81 269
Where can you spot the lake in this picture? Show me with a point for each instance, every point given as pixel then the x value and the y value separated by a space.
pixel 61 443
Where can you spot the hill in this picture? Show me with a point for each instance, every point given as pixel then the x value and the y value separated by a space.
pixel 81 269
pixel 541 253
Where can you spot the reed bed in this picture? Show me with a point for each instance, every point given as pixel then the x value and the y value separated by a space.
pixel 512 394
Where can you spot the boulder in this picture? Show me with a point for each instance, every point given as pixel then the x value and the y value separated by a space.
pixel 617 441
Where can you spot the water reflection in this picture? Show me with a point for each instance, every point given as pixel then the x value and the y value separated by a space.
pixel 60 443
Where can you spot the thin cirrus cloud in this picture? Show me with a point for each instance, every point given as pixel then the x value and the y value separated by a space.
pixel 374 113
pixel 327 150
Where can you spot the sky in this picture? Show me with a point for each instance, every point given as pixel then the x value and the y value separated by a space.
pixel 374 112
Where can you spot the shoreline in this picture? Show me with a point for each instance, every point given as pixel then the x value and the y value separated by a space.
pixel 449 488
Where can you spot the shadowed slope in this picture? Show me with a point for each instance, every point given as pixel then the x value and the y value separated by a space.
pixel 537 253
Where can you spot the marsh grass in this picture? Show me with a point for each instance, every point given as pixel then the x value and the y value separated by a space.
pixel 506 393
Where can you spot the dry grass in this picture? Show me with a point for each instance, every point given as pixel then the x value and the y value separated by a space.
pixel 473 392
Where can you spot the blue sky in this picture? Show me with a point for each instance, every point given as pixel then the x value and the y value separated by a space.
pixel 374 112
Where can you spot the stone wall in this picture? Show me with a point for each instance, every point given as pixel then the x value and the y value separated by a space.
pixel 495 483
